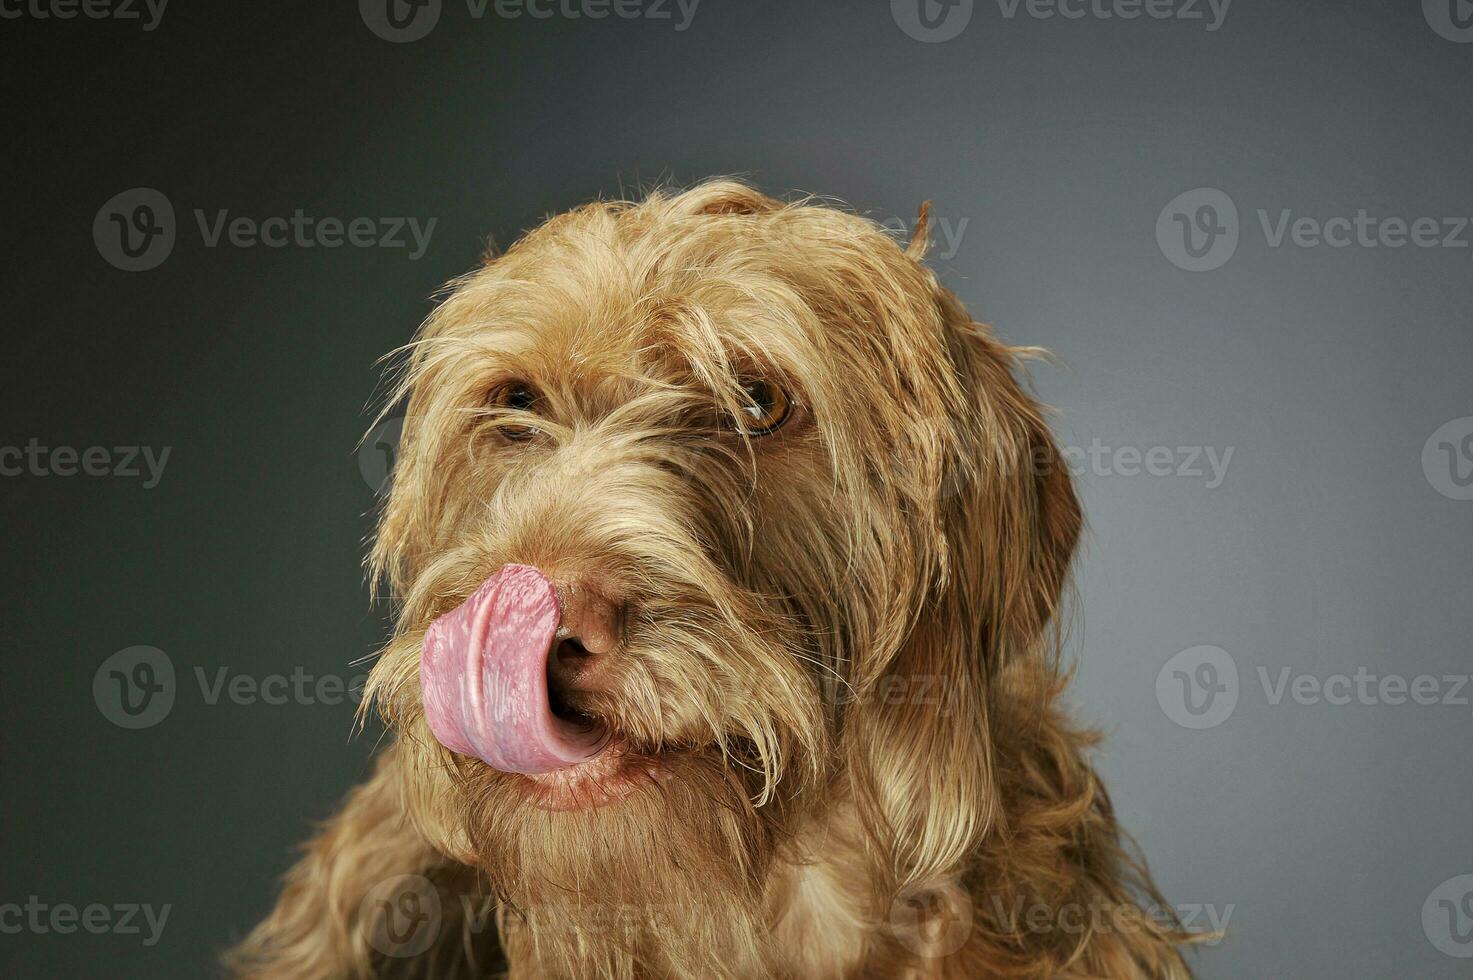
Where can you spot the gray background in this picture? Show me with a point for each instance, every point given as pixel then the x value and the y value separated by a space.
pixel 1320 829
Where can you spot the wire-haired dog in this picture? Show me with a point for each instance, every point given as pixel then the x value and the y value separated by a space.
pixel 730 553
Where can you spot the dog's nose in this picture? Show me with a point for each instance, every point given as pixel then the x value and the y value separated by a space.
pixel 590 628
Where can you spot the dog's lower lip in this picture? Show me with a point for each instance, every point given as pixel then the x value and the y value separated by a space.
pixel 610 776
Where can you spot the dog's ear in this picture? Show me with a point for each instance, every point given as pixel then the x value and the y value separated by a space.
pixel 922 742
pixel 1014 518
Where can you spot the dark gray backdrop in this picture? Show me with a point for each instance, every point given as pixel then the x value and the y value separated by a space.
pixel 1253 631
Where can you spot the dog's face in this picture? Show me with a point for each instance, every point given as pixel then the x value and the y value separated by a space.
pixel 796 512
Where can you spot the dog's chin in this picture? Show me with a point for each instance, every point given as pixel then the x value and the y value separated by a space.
pixel 626 818
pixel 663 869
pixel 618 771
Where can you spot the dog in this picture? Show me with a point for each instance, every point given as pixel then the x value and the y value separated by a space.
pixel 731 560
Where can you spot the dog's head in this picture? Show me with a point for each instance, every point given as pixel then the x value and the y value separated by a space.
pixel 785 516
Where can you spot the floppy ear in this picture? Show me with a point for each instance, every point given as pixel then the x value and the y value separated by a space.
pixel 1015 520
pixel 1010 521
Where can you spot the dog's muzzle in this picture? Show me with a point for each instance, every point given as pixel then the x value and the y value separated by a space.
pixel 483 673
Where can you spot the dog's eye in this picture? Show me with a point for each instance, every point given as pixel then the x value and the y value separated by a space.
pixel 515 396
pixel 765 409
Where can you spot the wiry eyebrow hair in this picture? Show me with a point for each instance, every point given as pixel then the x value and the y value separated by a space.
pixel 719 350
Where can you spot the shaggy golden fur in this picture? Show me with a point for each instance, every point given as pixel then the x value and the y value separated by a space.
pixel 841 644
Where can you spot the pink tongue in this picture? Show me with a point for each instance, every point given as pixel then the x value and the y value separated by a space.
pixel 483 676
